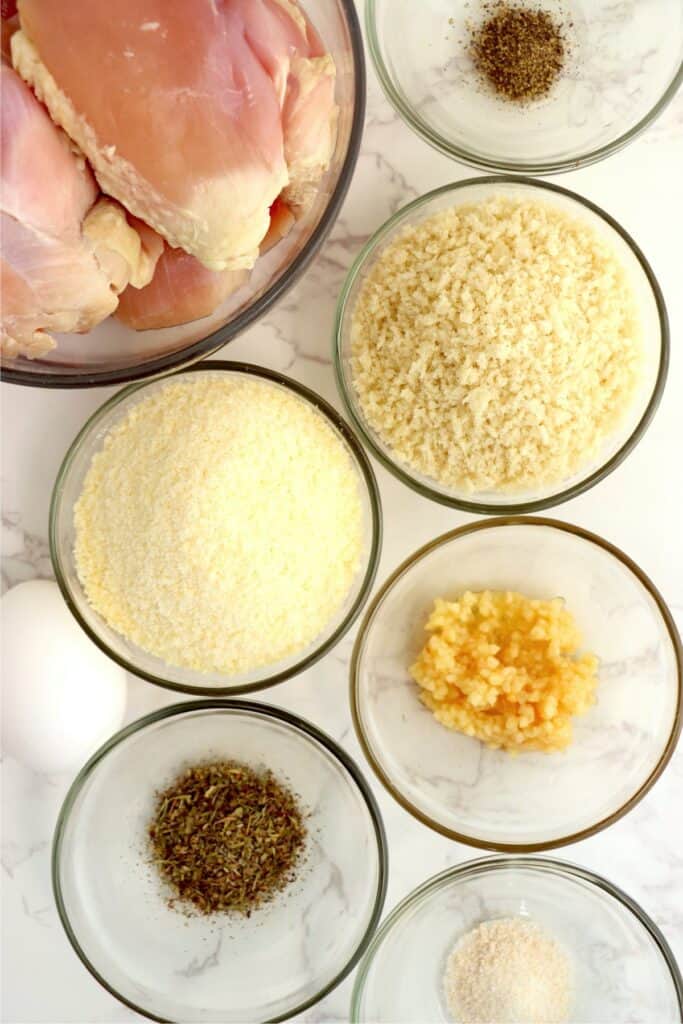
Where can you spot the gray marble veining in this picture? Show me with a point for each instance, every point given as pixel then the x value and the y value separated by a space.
pixel 638 508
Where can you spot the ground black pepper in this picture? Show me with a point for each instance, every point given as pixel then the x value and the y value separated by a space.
pixel 519 51
pixel 225 837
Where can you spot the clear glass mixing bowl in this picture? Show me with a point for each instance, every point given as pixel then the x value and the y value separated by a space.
pixel 115 354
pixel 625 64
pixel 655 331
pixel 67 490
pixel 530 801
pixel 624 970
pixel 219 969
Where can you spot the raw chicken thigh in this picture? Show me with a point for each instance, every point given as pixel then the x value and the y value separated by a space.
pixel 207 124
pixel 53 276
pixel 178 107
pixel 304 76
pixel 182 288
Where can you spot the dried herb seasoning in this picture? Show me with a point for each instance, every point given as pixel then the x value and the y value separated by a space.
pixel 225 837
pixel 520 51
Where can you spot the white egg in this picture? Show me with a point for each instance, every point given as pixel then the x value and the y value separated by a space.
pixel 62 697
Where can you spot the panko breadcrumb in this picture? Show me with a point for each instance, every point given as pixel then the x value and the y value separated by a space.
pixel 505 668
pixel 496 345
pixel 220 527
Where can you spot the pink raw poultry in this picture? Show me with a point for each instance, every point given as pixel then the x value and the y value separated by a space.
pixel 182 289
pixel 178 107
pixel 202 173
pixel 303 74
pixel 64 255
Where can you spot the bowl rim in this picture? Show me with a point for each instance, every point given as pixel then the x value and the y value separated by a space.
pixel 462 154
pixel 367 623
pixel 295 723
pixel 363 468
pixel 183 358
pixel 485 865
pixel 345 386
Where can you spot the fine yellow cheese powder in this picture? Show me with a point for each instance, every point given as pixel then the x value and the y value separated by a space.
pixel 220 527
pixel 506 669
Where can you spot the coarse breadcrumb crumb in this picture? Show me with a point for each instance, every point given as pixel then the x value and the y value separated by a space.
pixel 496 345
pixel 505 668
pixel 220 527
pixel 508 971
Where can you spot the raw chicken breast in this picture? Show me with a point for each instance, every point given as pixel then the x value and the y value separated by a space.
pixel 175 112
pixel 181 290
pixel 309 123
pixel 50 277
pixel 304 78
pixel 211 122
pixel 189 113
pixel 54 278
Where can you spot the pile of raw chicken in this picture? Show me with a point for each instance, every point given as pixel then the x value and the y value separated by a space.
pixel 151 150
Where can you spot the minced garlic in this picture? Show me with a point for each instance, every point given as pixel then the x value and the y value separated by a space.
pixel 506 669
pixel 497 345
pixel 220 527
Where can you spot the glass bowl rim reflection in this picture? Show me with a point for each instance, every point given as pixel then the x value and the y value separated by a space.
pixel 367 624
pixel 184 357
pixel 362 467
pixel 411 117
pixel 403 472
pixel 294 724
pixel 484 865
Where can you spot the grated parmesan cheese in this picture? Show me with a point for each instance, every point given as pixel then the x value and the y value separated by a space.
pixel 220 526
pixel 495 346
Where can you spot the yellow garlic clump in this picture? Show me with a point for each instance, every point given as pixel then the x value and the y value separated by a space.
pixel 506 669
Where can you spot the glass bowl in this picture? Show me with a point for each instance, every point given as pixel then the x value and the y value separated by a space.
pixel 655 341
pixel 67 490
pixel 625 64
pixel 221 968
pixel 531 801
pixel 115 354
pixel 624 969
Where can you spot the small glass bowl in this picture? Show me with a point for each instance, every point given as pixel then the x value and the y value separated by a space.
pixel 623 971
pixel 531 801
pixel 655 342
pixel 224 968
pixel 115 354
pixel 68 488
pixel 624 65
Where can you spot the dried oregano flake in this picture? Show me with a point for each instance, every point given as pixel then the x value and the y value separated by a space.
pixel 225 837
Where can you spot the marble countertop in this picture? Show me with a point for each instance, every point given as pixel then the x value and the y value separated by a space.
pixel 638 508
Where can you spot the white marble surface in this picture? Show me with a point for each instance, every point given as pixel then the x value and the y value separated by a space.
pixel 638 507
